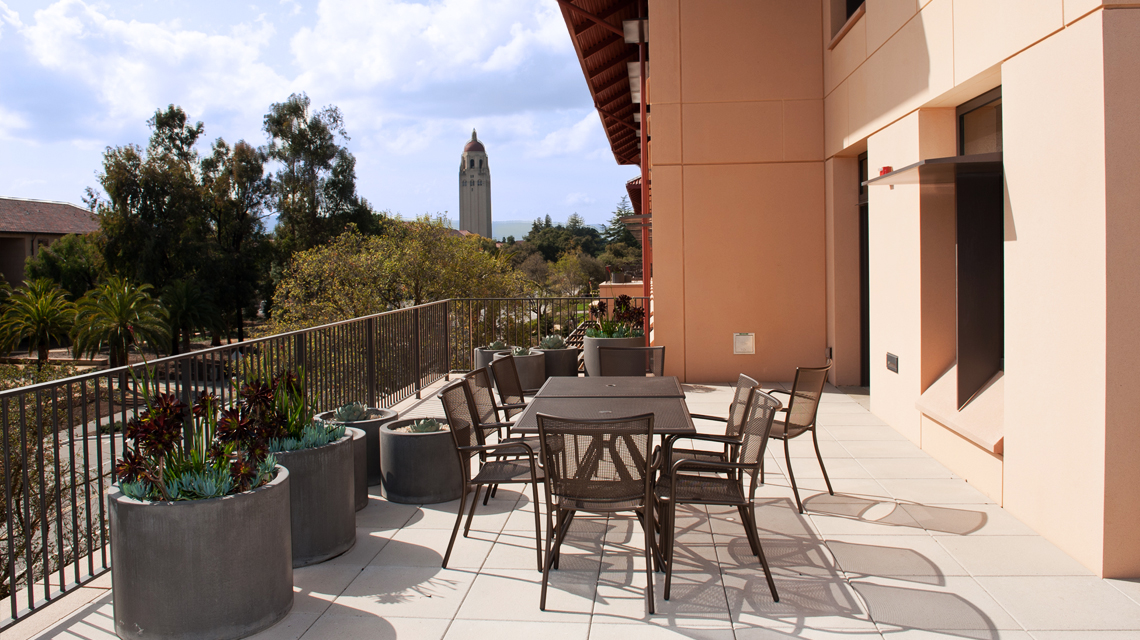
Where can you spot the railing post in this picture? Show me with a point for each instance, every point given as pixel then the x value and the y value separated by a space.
pixel 416 350
pixel 299 356
pixel 447 340
pixel 370 362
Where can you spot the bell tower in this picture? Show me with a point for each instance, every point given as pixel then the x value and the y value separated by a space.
pixel 475 189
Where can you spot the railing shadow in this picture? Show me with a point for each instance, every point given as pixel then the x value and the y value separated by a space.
pixel 898 513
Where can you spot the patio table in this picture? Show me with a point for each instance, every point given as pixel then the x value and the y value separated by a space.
pixel 670 414
pixel 611 387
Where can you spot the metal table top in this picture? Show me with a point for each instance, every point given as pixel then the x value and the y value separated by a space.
pixel 611 387
pixel 670 415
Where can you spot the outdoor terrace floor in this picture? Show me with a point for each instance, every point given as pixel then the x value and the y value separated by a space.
pixel 905 549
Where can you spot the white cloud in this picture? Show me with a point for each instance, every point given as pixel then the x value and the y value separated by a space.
pixel 135 67
pixel 374 42
pixel 8 16
pixel 10 122
pixel 578 197
pixel 570 140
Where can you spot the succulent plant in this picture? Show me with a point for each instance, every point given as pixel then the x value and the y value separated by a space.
pixel 520 351
pixel 497 345
pixel 427 425
pixel 552 342
pixel 351 412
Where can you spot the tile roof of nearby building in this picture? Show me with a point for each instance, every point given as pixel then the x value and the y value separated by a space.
pixel 40 216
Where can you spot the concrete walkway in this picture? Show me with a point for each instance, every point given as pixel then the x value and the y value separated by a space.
pixel 905 549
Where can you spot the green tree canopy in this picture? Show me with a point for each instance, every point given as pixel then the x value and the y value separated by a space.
pixel 40 313
pixel 616 231
pixel 74 262
pixel 116 315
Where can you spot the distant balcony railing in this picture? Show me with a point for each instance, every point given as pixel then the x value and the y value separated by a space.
pixel 59 440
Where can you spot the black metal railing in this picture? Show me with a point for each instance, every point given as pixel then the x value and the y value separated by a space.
pixel 61 438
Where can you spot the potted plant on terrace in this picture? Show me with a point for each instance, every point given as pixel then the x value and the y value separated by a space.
pixel 368 420
pixel 483 356
pixel 419 463
pixel 559 360
pixel 199 522
pixel 320 460
pixel 530 363
pixel 624 327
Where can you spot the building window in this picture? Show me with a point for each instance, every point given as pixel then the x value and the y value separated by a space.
pixel 980 209
pixel 480 183
pixel 471 164
pixel 465 183
pixel 841 12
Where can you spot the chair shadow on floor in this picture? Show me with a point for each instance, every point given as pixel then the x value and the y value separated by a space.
pixel 898 513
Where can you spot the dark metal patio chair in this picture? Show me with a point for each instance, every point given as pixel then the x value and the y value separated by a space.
pixel 511 398
pixel 459 407
pixel 732 429
pixel 681 484
pixel 597 466
pixel 487 422
pixel 799 418
pixel 631 361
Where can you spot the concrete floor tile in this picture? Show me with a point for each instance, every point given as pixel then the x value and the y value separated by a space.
pixel 889 520
pixel 837 468
pixel 1011 556
pixel 895 633
pixel 1063 603
pixel 1130 588
pixel 782 632
pixel 609 631
pixel 932 491
pixel 292 627
pixel 827 418
pixel 851 489
pixel 368 544
pixel 93 620
pixel 785 555
pixel 515 630
pixel 514 595
pixel 1085 634
pixel 516 550
pixel 697 600
pixel 959 603
pixel 883 449
pixel 808 601
pixel 490 518
pixel 317 586
pixel 919 558
pixel 414 592
pixel 336 627
pixel 892 468
pixel 967 520
pixel 381 515
pixel 425 548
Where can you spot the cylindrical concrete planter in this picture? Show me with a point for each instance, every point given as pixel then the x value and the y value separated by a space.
pixel 532 370
pixel 323 501
pixel 481 358
pixel 561 362
pixel 590 350
pixel 419 468
pixel 371 429
pixel 211 569
pixel 359 468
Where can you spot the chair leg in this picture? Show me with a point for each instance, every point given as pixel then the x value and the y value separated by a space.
pixel 471 513
pixel 750 524
pixel 455 529
pixel 669 531
pixel 551 532
pixel 537 525
pixel 818 456
pixel 647 527
pixel 490 492
pixel 792 476
pixel 761 469
pixel 745 517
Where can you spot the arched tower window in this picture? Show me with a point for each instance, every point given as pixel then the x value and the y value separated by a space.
pixel 472 165
pixel 465 183
pixel 480 183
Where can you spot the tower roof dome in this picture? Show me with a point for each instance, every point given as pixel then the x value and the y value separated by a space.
pixel 474 145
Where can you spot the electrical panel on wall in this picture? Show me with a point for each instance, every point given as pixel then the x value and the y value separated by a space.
pixel 743 344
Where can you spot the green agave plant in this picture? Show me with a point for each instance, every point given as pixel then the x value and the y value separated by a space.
pixel 426 425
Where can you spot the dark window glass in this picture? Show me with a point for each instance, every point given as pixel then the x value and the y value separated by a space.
pixel 853 6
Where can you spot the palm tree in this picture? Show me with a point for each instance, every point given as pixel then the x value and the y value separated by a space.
pixel 115 315
pixel 39 313
pixel 188 309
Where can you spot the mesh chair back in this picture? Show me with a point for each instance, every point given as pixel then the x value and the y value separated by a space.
pixel 757 425
pixel 736 411
pixel 507 382
pixel 486 411
pixel 597 461
pixel 804 401
pixel 456 400
pixel 631 361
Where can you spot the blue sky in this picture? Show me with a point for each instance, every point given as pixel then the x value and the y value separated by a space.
pixel 412 79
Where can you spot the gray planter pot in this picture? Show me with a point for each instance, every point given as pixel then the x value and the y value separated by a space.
pixel 210 569
pixel 481 358
pixel 323 502
pixel 532 370
pixel 419 468
pixel 590 350
pixel 561 362
pixel 359 468
pixel 371 429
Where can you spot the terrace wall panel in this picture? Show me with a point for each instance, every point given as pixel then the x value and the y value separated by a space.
pixel 720 132
pixel 987 32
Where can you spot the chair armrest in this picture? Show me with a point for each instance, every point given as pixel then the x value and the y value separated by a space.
pixel 514 444
pixel 513 406
pixel 696 465
pixel 701 416
pixel 787 393
pixel 707 437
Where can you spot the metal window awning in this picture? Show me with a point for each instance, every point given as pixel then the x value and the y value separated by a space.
pixel 940 170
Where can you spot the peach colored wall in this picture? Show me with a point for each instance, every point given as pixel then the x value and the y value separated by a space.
pixel 1122 401
pixel 1054 131
pixel 841 181
pixel 910 227
pixel 738 164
